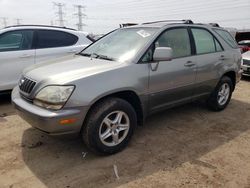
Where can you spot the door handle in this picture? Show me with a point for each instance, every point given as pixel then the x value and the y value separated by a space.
pixel 189 64
pixel 25 56
pixel 222 57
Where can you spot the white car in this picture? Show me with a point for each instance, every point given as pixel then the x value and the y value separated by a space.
pixel 22 46
pixel 246 63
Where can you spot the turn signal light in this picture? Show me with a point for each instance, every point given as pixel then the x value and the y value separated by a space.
pixel 67 121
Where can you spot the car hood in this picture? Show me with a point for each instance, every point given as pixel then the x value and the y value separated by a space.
pixel 246 55
pixel 69 68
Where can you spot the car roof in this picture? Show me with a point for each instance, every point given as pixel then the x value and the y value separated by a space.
pixel 46 27
pixel 167 23
pixel 39 26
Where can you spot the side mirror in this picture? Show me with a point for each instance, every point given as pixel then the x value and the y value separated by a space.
pixel 163 54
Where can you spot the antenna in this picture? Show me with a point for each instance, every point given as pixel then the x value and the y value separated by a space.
pixel 60 13
pixel 80 15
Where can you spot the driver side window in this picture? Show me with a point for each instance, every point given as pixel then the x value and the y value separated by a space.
pixel 177 39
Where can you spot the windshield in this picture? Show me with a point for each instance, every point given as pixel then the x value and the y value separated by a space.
pixel 121 45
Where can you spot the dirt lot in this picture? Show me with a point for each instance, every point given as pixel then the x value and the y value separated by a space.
pixel 188 146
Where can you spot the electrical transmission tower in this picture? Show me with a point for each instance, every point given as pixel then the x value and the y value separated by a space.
pixel 4 20
pixel 18 21
pixel 60 13
pixel 80 15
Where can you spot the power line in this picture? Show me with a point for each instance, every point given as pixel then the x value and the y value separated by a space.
pixel 60 13
pixel 80 15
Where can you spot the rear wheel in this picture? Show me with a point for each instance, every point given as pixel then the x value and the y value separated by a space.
pixel 221 96
pixel 109 126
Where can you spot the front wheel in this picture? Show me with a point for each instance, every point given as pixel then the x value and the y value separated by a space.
pixel 221 96
pixel 109 126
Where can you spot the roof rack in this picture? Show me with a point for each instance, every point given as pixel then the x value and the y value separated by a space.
pixel 41 26
pixel 212 24
pixel 127 24
pixel 175 21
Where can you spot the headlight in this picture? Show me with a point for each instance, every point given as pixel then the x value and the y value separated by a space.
pixel 53 97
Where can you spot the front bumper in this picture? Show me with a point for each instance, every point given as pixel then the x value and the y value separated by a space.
pixel 246 70
pixel 49 121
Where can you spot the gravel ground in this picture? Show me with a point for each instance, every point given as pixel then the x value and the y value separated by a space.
pixel 187 146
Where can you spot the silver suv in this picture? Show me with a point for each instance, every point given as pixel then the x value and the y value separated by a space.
pixel 115 83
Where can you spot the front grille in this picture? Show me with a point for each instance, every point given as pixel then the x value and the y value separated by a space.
pixel 26 85
pixel 246 62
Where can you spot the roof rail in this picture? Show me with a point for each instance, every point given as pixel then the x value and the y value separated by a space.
pixel 127 24
pixel 211 24
pixel 177 21
pixel 41 26
pixel 214 24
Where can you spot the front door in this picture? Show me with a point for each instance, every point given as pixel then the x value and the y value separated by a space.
pixel 172 82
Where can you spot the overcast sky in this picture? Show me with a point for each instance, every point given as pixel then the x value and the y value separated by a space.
pixel 103 16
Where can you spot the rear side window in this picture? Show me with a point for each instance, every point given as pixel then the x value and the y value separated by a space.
pixel 54 39
pixel 16 40
pixel 227 37
pixel 205 42
pixel 178 40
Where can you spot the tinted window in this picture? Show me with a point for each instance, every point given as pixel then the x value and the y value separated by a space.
pixel 16 40
pixel 52 39
pixel 204 41
pixel 226 36
pixel 178 40
pixel 218 46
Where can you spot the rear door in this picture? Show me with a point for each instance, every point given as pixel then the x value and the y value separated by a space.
pixel 16 53
pixel 210 57
pixel 51 44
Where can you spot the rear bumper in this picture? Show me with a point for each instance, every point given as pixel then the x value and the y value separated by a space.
pixel 49 121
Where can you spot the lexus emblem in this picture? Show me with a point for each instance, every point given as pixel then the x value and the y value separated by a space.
pixel 21 82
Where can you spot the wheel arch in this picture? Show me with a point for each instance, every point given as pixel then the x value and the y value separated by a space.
pixel 128 95
pixel 232 76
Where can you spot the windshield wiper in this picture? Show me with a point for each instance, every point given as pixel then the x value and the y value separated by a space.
pixel 99 56
pixel 84 54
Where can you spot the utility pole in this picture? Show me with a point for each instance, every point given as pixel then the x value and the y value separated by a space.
pixel 60 13
pixel 4 20
pixel 18 21
pixel 80 15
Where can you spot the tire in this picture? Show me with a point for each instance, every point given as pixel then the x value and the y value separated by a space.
pixel 215 101
pixel 103 121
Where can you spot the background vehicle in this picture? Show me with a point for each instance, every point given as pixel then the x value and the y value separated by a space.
pixel 243 40
pixel 116 82
pixel 246 64
pixel 22 46
pixel 244 45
